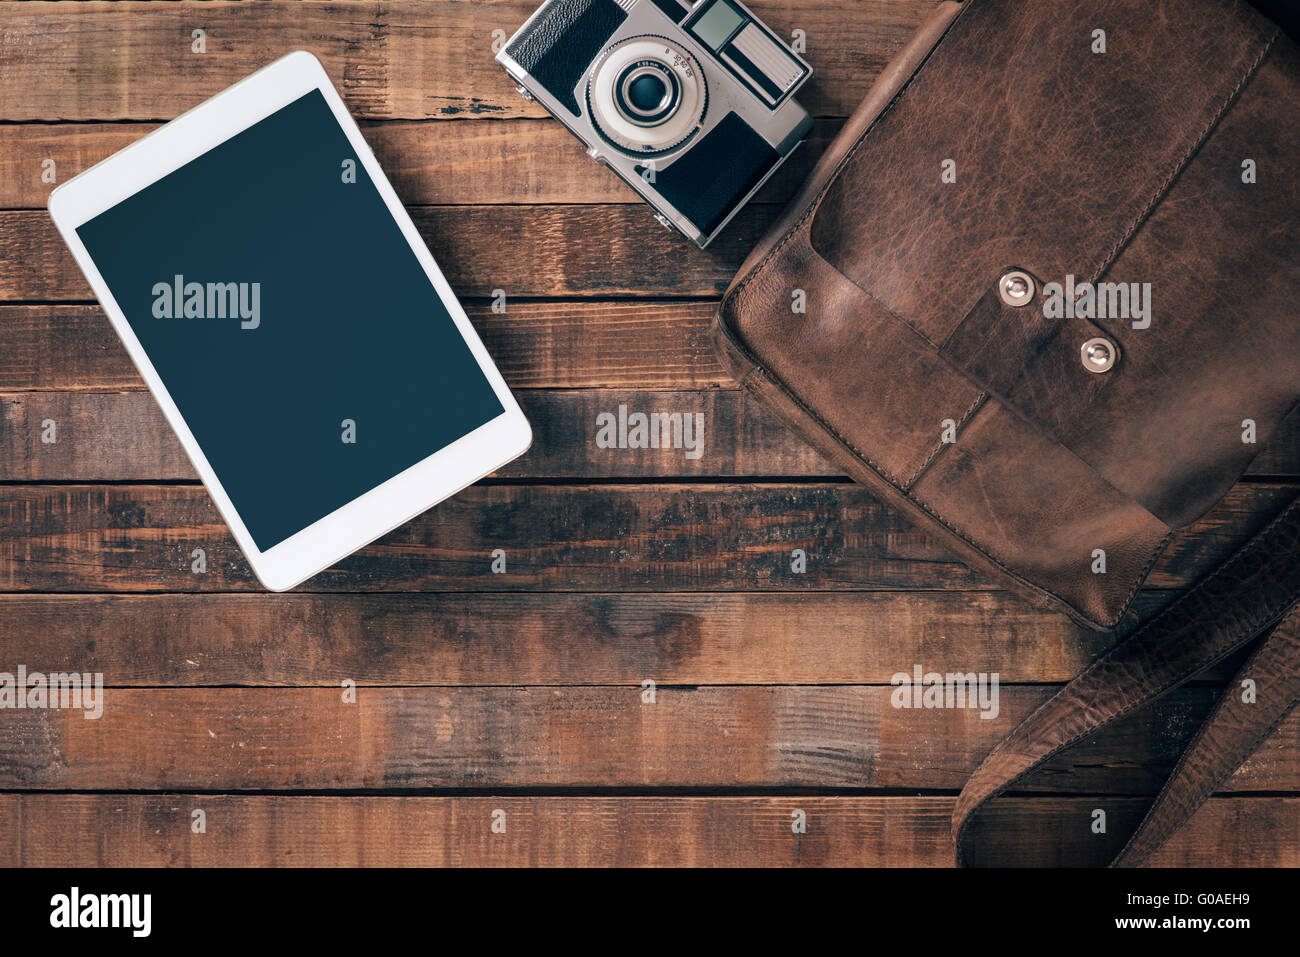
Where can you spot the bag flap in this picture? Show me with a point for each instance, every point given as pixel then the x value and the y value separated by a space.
pixel 1045 138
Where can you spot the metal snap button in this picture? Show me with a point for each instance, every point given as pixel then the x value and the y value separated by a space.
pixel 1098 355
pixel 1016 288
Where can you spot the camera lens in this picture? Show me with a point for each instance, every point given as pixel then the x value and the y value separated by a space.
pixel 647 92
pixel 646 95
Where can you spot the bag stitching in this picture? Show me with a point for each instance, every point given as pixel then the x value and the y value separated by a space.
pixel 975 407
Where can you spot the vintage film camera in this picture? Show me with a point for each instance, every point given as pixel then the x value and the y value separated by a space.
pixel 693 106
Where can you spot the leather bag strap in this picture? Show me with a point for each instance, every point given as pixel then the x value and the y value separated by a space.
pixel 1255 592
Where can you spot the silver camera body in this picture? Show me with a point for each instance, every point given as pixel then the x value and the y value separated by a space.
pixel 693 106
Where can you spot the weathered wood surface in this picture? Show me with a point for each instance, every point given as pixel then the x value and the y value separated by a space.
pixel 735 638
pixel 621 565
pixel 610 250
pixel 159 739
pixel 250 830
pixel 536 345
pixel 447 639
pixel 713 537
pixel 390 60
pixel 123 437
pixel 453 162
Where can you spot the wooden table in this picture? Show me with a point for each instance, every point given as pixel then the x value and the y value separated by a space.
pixel 515 699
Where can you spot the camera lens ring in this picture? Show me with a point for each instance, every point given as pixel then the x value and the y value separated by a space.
pixel 674 119
pixel 639 78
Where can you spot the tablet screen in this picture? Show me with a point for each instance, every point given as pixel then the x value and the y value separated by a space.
pixel 306 348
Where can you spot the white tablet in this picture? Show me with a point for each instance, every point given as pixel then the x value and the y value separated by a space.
pixel 288 317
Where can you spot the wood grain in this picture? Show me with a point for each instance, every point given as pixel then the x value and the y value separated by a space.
pixel 60 350
pixel 583 737
pixel 390 60
pixel 123 437
pixel 531 680
pixel 430 163
pixel 548 345
pixel 312 831
pixel 550 251
pixel 544 638
pixel 715 537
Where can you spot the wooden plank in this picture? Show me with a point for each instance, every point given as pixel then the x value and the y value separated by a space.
pixel 847 736
pixel 641 346
pixel 398 59
pixel 104 435
pixel 548 345
pixel 716 537
pixel 136 830
pixel 548 251
pixel 123 437
pixel 539 638
pixel 455 162
pixel 529 638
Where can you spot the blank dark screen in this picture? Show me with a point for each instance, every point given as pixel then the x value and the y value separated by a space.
pixel 349 338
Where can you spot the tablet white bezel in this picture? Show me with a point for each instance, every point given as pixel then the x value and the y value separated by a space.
pixel 402 497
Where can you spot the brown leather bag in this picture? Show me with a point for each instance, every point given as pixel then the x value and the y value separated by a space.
pixel 941 356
